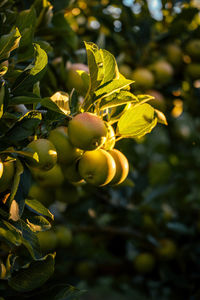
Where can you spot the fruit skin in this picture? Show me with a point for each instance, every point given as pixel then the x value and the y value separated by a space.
pixel 77 78
pixel 144 78
pixel 45 152
pixel 163 71
pixel 167 249
pixel 125 70
pixel 66 152
pixel 41 194
pixel 97 167
pixel 193 70
pixel 8 173
pixel 71 173
pixel 49 179
pixel 87 131
pixel 110 138
pixel 47 240
pixel 1 169
pixel 64 236
pixel 174 54
pixel 122 167
pixel 193 48
pixel 144 262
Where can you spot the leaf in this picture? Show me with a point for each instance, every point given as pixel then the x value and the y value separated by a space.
pixel 38 223
pixel 16 207
pixel 29 239
pixel 95 64
pixel 38 208
pixel 4 98
pixel 10 261
pixel 28 124
pixel 15 153
pixel 2 94
pixel 118 98
pixel 69 293
pixel 26 21
pixel 58 102
pixel 145 98
pixel 66 36
pixel 109 88
pixel 161 117
pixel 137 121
pixel 10 233
pixel 9 42
pixel 19 190
pixel 34 276
pixel 73 101
pixel 105 78
pixel 3 70
pixel 111 71
pixel 24 100
pixel 33 73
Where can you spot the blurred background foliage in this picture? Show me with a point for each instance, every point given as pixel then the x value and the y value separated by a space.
pixel 139 240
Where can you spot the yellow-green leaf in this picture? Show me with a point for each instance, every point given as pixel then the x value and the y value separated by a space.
pixel 9 42
pixel 137 121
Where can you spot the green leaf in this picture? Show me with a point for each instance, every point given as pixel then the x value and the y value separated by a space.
pixel 9 42
pixel 95 64
pixel 3 70
pixel 27 124
pixel 2 95
pixel 105 78
pixel 45 46
pixel 69 293
pixel 24 100
pixel 33 73
pixel 10 261
pixel 29 239
pixel 62 31
pixel 137 121
pixel 38 208
pixel 38 223
pixel 16 207
pixel 110 67
pixel 42 8
pixel 15 153
pixel 145 98
pixel 118 98
pixel 26 21
pixel 10 233
pixel 109 88
pixel 34 276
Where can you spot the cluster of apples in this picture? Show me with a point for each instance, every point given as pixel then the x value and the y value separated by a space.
pixel 161 71
pixel 158 73
pixel 82 152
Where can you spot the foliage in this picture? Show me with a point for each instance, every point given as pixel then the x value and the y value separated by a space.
pixel 156 209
